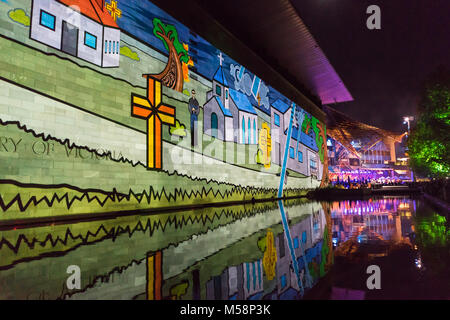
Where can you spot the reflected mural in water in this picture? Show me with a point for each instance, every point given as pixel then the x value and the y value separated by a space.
pixel 213 253
pixel 232 253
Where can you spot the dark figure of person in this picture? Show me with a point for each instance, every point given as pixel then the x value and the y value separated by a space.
pixel 194 110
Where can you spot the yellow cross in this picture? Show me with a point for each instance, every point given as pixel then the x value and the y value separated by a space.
pixel 113 10
pixel 151 109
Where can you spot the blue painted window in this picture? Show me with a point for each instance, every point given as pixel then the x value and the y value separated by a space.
pixel 295 242
pixel 254 131
pixel 47 20
pixel 106 46
pixel 313 164
pixel 214 124
pixel 255 86
pixel 243 130
pixel 300 156
pixel 114 47
pixel 276 118
pixel 249 130
pixel 226 94
pixel 218 90
pixel 117 47
pixel 283 281
pixel 291 153
pixel 304 237
pixel 90 40
pixel 109 51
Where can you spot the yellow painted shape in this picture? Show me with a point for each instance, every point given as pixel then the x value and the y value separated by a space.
pixel 270 256
pixel 141 102
pixel 151 137
pixel 157 93
pixel 167 119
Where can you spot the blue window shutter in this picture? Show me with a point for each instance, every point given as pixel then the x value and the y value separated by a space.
pixel 214 125
pixel 254 131
pixel 90 40
pixel 277 119
pixel 249 130
pixel 243 130
pixel 47 20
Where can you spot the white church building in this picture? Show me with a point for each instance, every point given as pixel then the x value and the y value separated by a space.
pixel 83 29
pixel 228 114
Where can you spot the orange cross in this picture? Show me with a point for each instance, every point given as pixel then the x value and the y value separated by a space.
pixel 156 113
pixel 113 10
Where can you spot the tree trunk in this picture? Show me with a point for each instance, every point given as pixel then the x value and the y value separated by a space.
pixel 172 75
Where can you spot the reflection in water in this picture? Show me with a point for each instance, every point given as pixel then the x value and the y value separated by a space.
pixel 262 251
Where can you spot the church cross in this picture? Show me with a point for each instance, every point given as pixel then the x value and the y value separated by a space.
pixel 156 113
pixel 114 10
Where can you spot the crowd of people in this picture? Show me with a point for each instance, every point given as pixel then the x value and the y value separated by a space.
pixel 364 183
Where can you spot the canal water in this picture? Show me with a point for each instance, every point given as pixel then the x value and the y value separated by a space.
pixel 295 249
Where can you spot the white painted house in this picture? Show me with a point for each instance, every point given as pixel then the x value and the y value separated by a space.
pixel 82 28
pixel 228 115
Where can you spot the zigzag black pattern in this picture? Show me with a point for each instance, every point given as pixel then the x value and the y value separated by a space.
pixel 114 232
pixel 47 137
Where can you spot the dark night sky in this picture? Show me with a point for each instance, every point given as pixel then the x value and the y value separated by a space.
pixel 382 69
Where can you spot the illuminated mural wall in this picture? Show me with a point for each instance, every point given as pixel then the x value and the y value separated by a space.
pixel 117 106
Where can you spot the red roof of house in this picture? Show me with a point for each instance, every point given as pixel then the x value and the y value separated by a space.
pixel 93 10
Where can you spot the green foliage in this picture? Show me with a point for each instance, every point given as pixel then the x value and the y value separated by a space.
pixel 319 139
pixel 429 143
pixel 324 253
pixel 262 243
pixel 432 231
pixel 168 32
pixel 312 122
pixel 19 16
pixel 179 290
pixel 178 129
pixel 259 157
pixel 127 52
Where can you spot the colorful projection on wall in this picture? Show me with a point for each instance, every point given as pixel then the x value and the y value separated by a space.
pixel 69 143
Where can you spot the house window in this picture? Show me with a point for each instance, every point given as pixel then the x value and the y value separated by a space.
pixel 106 46
pixel 249 130
pixel 300 156
pixel 109 51
pixel 295 242
pixel 226 94
pixel 304 237
pixel 47 20
pixel 254 131
pixel 243 130
pixel 214 125
pixel 117 47
pixel 90 40
pixel 283 281
pixel 114 47
pixel 313 164
pixel 218 90
pixel 276 117
pixel 291 153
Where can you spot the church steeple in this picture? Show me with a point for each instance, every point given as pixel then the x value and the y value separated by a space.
pixel 220 83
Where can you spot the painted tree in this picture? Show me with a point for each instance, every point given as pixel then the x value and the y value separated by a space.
pixel 429 142
pixel 172 75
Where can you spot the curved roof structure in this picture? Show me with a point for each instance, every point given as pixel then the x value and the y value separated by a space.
pixel 276 32
pixel 344 129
